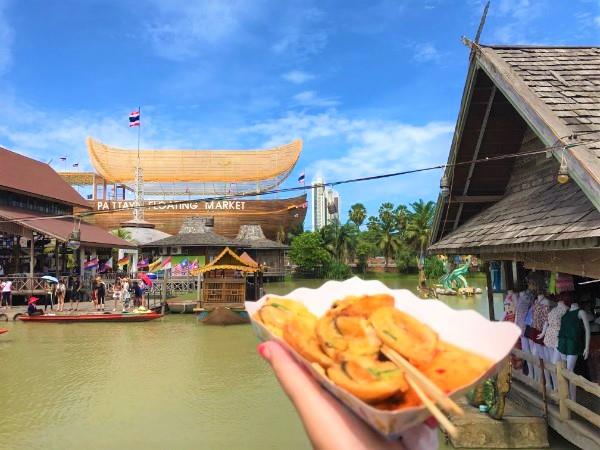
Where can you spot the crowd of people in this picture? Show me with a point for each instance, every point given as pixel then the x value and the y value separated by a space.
pixel 123 291
pixel 126 294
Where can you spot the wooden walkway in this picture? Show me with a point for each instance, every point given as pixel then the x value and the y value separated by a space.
pixel 576 421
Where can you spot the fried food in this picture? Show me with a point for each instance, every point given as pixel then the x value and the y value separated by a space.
pixel 345 346
pixel 411 338
pixel 299 332
pixel 339 333
pixel 363 305
pixel 277 311
pixel 453 368
pixel 367 379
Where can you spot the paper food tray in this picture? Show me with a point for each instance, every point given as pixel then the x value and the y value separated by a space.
pixel 466 329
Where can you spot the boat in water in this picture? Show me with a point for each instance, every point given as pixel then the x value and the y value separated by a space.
pixel 3 330
pixel 120 317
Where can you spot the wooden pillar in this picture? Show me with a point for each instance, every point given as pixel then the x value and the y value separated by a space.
pixel 31 257
pixel 104 196
pixel 563 391
pixel 81 264
pixel 94 187
pixel 508 275
pixel 490 290
pixel 56 257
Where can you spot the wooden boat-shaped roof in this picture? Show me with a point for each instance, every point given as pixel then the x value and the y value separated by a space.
pixel 199 166
pixel 131 317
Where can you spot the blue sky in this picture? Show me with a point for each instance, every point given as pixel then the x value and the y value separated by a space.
pixel 370 87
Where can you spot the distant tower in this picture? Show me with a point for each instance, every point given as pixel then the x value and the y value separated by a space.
pixel 325 204
pixel 319 204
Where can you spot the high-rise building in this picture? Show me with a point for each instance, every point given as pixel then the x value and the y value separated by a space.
pixel 325 204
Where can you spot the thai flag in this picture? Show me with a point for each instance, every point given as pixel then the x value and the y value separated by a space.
pixel 301 178
pixel 91 264
pixel 134 119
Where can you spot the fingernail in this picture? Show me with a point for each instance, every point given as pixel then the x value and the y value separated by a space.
pixel 431 422
pixel 263 350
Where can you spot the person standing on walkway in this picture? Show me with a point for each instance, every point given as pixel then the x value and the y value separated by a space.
pixel 117 292
pixel 125 294
pixel 100 293
pixel 61 291
pixel 7 294
pixel 75 286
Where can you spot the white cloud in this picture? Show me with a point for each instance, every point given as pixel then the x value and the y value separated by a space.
pixel 181 29
pixel 310 98
pixel 368 147
pixel 6 38
pixel 515 17
pixel 297 76
pixel 302 34
pixel 426 53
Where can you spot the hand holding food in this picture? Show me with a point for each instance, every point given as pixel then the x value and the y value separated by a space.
pixel 346 342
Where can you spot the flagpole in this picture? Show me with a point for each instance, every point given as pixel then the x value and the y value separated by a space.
pixel 139 195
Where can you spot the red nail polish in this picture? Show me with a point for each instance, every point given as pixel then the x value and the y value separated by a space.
pixel 262 350
pixel 431 422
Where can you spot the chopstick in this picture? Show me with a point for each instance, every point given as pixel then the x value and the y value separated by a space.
pixel 435 412
pixel 425 383
pixel 417 381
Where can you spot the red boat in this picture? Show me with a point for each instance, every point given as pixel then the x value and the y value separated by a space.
pixel 3 330
pixel 92 318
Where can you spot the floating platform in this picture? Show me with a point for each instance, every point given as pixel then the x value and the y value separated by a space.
pixel 181 306
pixel 127 317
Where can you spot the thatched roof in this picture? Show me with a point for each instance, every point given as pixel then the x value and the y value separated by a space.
pixel 519 99
pixel 228 260
pixel 252 236
pixel 194 232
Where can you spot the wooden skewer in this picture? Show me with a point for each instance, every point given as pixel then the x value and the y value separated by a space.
pixel 435 412
pixel 425 383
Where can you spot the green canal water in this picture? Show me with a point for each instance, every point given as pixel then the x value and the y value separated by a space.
pixel 167 384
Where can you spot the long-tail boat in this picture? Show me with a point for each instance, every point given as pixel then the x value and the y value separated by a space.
pixel 125 317
pixel 3 330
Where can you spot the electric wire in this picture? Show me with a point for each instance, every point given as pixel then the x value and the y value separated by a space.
pixel 86 214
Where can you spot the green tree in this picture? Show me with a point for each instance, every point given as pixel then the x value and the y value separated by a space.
pixel 308 253
pixel 418 226
pixel 339 239
pixel 357 214
pixel 387 226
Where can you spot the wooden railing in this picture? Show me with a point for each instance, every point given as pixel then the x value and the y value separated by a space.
pixel 549 398
pixel 28 285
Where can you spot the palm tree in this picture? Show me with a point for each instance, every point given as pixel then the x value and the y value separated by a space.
pixel 340 240
pixel 357 214
pixel 389 242
pixel 418 227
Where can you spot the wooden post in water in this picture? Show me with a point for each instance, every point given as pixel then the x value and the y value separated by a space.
pixel 563 391
pixel 163 292
pixel 490 290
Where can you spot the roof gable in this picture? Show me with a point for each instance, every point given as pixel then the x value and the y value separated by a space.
pixel 19 173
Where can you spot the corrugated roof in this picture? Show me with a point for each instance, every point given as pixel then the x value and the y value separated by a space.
pixel 19 173
pixel 91 235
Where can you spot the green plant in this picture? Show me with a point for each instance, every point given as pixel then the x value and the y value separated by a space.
pixel 338 271
pixel 434 267
pixel 308 253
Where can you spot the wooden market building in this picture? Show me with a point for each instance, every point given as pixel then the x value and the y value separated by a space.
pixel 543 102
pixel 37 222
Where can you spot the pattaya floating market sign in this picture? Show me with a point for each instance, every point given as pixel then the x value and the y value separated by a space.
pixel 160 205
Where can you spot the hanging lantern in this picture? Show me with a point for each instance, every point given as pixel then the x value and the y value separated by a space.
pixel 563 170
pixel 444 186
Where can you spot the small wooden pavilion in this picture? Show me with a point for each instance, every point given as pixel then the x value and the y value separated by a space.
pixel 225 280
